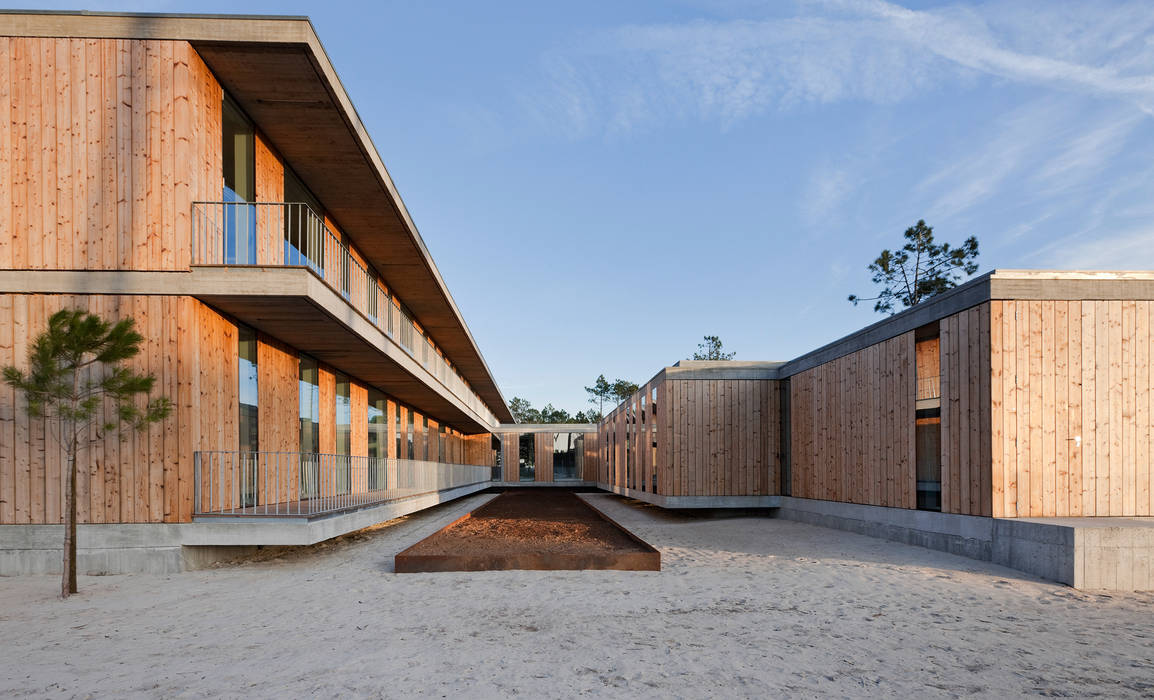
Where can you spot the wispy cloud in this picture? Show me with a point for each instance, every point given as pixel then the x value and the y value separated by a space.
pixel 1132 249
pixel 838 50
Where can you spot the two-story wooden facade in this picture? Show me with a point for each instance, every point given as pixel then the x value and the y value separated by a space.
pixel 210 178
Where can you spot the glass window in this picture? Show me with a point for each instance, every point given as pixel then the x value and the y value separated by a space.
pixel 378 433
pixel 425 436
pixel 344 418
pixel 397 429
pixel 303 228
pixel 249 431
pixel 310 405
pixel 409 424
pixel 568 455
pixel 310 421
pixel 441 456
pixel 246 353
pixel 526 460
pixel 239 216
pixel 928 441
pixel 498 471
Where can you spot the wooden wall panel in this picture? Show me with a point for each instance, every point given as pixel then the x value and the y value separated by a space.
pixel 269 186
pixel 1071 412
pixel 714 438
pixel 852 427
pixel 543 445
pixel 98 152
pixel 128 477
pixel 966 456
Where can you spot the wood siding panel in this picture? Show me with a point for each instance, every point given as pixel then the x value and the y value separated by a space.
pixel 851 427
pixel 98 154
pixel 1076 408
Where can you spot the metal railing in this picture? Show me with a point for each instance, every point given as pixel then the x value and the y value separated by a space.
pixel 230 482
pixel 292 234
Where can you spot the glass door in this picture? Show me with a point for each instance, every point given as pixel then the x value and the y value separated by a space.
pixel 239 214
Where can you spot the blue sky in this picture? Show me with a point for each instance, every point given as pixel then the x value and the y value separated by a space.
pixel 603 183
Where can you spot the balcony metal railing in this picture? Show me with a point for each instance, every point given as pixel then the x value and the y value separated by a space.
pixel 308 484
pixel 292 234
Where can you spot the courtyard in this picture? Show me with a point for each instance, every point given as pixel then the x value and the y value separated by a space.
pixel 744 606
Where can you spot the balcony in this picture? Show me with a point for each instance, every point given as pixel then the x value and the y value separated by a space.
pixel 289 235
pixel 308 485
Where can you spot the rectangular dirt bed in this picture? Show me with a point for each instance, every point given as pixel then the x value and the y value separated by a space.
pixel 536 529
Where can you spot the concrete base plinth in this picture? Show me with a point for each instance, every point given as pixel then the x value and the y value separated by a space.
pixel 1085 553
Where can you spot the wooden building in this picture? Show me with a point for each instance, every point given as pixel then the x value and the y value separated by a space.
pixel 1011 414
pixel 209 178
pixel 1017 394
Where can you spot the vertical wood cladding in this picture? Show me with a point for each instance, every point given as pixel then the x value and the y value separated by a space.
pixel 148 476
pixel 130 476
pixel 1071 408
pixel 966 448
pixel 852 427
pixel 714 437
pixel 104 147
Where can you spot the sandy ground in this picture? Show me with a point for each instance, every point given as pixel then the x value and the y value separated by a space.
pixel 743 607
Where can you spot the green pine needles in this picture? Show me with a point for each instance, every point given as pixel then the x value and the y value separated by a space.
pixel 74 371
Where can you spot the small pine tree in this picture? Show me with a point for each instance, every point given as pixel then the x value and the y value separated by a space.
pixel 73 370
pixel 711 349
pixel 919 270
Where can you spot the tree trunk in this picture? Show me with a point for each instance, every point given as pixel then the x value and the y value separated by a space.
pixel 68 584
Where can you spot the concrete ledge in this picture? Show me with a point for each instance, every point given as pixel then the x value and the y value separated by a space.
pixel 688 502
pixel 964 535
pixel 1085 553
pixel 545 484
pixel 242 530
pixel 165 548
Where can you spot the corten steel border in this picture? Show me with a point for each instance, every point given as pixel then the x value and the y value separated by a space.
pixel 648 559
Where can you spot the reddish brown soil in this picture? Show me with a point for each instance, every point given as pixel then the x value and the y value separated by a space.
pixel 529 521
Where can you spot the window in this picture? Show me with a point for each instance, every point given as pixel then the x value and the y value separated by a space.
pixel 499 470
pixel 568 455
pixel 248 396
pixel 412 453
pixel 310 421
pixel 425 436
pixel 239 216
pixel 303 228
pixel 397 430
pixel 653 437
pixel 378 435
pixel 928 417
pixel 526 462
pixel 344 419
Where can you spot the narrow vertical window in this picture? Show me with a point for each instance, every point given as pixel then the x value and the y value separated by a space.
pixel 344 419
pixel 397 430
pixel 248 398
pixel 378 436
pixel 526 462
pixel 309 401
pixel 412 454
pixel 238 214
pixel 425 436
pixel 928 417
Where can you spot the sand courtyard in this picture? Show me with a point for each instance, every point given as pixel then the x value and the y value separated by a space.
pixel 744 606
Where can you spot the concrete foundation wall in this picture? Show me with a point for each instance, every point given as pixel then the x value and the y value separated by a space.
pixel 1085 553
pixel 165 548
pixel 695 502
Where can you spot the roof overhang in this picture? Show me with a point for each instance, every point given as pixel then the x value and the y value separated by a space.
pixel 278 71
